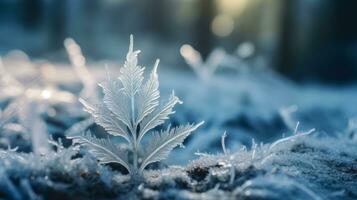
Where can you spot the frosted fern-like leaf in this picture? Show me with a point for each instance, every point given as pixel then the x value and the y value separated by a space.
pixel 163 142
pixel 104 150
pixel 115 99
pixel 148 98
pixel 159 116
pixel 131 74
pixel 131 109
pixel 105 118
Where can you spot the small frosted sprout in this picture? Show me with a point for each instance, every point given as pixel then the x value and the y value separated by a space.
pixel 203 69
pixel 297 135
pixel 30 118
pixel 218 58
pixel 78 62
pixel 226 153
pixel 131 109
pixel 352 129
pixel 223 143
pixel 286 113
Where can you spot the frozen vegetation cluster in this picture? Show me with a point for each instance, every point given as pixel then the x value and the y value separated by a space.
pixel 65 138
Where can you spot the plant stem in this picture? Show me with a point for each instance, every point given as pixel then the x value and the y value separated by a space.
pixel 135 145
pixel 135 159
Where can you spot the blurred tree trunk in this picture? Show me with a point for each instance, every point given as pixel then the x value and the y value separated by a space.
pixel 203 38
pixel 32 10
pixel 285 45
pixel 57 26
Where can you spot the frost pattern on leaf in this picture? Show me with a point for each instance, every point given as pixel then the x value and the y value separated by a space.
pixel 148 98
pixel 159 116
pixel 104 150
pixel 163 142
pixel 130 109
pixel 105 118
pixel 131 74
pixel 116 101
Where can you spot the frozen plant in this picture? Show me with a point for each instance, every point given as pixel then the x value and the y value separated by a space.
pixel 9 86
pixel 79 65
pixel 297 135
pixel 30 118
pixel 205 69
pixel 352 129
pixel 229 160
pixel 286 114
pixel 130 110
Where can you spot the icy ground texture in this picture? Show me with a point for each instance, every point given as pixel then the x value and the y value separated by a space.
pixel 260 106
pixel 305 168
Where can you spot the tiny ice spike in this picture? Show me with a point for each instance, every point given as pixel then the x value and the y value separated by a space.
pixel 131 109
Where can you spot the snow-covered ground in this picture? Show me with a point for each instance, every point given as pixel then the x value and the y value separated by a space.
pixel 284 140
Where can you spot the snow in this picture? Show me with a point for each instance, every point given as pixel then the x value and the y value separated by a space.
pixel 280 163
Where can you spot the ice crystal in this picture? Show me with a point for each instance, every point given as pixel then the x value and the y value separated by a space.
pixel 130 109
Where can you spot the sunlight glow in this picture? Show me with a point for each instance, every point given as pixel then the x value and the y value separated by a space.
pixel 232 7
pixel 222 25
pixel 46 94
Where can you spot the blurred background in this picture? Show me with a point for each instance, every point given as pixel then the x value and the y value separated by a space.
pixel 307 40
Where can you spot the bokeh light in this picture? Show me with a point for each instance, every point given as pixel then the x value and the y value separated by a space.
pixel 222 25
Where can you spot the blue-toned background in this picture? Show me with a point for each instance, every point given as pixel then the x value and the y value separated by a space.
pixel 306 40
